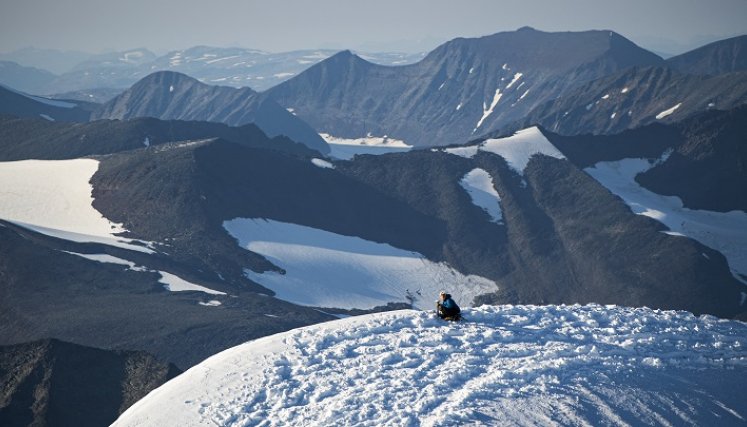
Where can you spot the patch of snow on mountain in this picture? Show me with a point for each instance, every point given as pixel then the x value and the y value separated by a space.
pixel 624 90
pixel 520 147
pixel 146 142
pixel 488 111
pixel 211 303
pixel 725 232
pixel 174 283
pixel 466 152
pixel 54 197
pixel 479 184
pixel 505 365
pixel 459 107
pixel 106 258
pixel 46 117
pixel 667 112
pixel 524 94
pixel 606 96
pixel 517 76
pixel 324 269
pixel 283 75
pixel 322 163
pixel 347 148
pixel 612 116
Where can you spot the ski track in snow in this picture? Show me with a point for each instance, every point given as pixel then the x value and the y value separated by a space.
pixel 506 365
pixel 324 269
pixel 725 232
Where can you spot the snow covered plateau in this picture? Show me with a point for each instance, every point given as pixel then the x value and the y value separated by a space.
pixel 505 365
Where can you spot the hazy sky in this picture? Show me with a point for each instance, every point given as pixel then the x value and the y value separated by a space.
pixel 416 25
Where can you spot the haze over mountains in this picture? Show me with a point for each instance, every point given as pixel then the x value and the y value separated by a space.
pixel 234 67
pixel 182 218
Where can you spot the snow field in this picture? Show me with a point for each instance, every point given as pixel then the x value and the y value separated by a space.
pixel 506 365
pixel 517 149
pixel 324 269
pixel 54 197
pixel 667 112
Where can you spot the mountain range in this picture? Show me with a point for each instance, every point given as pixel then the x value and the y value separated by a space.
pixel 235 67
pixel 595 81
pixel 523 168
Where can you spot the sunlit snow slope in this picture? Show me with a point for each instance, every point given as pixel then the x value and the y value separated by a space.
pixel 508 365
pixel 53 197
pixel 324 269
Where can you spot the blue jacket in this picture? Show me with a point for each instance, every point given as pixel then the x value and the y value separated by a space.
pixel 449 307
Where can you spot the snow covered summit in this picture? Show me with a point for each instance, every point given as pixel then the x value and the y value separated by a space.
pixel 506 365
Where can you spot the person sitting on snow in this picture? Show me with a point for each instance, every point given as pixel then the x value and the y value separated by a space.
pixel 447 308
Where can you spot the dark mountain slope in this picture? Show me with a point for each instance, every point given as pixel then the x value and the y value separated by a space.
pixel 45 292
pixel 169 95
pixel 566 239
pixel 721 57
pixel 706 166
pixel 55 383
pixel 462 89
pixel 21 105
pixel 708 170
pixel 634 98
pixel 40 139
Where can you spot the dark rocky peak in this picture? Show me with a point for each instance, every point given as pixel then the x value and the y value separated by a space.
pixel 528 48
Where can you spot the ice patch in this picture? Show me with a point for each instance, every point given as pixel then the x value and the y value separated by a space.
pixel 667 112
pixel 322 163
pixel 211 303
pixel 479 184
pixel 347 148
pixel 175 283
pixel 517 76
pixel 324 269
pixel 725 232
pixel 466 152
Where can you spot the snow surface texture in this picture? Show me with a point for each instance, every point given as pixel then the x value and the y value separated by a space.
pixel 53 197
pixel 725 232
pixel 324 269
pixel 346 149
pixel 479 184
pixel 517 149
pixel 507 365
